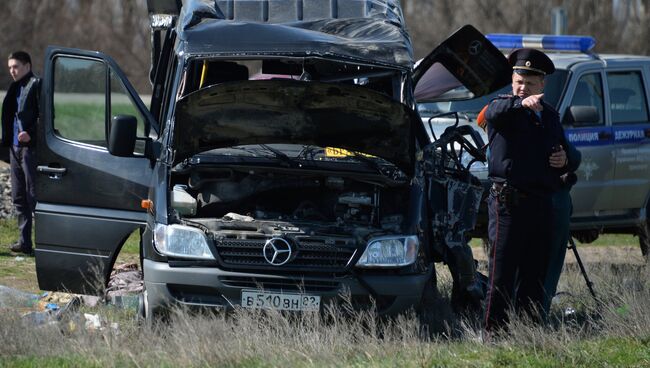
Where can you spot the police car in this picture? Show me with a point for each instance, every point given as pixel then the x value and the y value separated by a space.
pixel 603 101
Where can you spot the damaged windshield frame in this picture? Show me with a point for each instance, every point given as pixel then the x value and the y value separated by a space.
pixel 305 160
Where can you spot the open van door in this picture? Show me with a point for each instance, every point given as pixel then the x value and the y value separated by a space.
pixel 467 59
pixel 88 200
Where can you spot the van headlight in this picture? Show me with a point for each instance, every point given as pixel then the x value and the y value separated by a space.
pixel 390 252
pixel 181 241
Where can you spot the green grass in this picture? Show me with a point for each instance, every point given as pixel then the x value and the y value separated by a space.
pixel 15 271
pixel 70 117
pixel 19 271
pixel 245 340
pixel 84 121
pixel 615 333
pixel 614 239
pixel 603 240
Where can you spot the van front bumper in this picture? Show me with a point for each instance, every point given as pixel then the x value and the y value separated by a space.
pixel 216 288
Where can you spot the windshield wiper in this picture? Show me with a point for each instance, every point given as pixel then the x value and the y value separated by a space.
pixel 282 156
pixel 369 162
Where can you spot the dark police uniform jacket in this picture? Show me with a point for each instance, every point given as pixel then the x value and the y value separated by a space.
pixel 520 145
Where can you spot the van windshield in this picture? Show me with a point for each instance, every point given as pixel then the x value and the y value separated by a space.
pixel 554 86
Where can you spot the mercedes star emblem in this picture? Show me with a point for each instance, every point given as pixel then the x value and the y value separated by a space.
pixel 475 47
pixel 277 251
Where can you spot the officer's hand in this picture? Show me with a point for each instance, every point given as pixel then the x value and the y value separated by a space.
pixel 533 102
pixel 558 159
pixel 24 137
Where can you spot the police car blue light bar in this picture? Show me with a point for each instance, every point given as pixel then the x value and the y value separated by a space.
pixel 507 41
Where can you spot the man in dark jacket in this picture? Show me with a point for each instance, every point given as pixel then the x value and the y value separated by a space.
pixel 19 117
pixel 525 164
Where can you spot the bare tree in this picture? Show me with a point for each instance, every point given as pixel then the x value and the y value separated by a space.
pixel 430 21
pixel 120 27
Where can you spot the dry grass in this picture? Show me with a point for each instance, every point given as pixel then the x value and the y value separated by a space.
pixel 581 332
pixel 614 331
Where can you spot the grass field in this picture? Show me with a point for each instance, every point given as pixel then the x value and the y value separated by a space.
pixel 614 332
pixel 19 272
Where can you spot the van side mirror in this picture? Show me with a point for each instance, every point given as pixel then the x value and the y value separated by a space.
pixel 123 133
pixel 581 115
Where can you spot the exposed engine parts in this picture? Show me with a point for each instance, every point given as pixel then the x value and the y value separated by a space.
pixel 268 195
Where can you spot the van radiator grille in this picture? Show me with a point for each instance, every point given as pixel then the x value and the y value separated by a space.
pixel 314 254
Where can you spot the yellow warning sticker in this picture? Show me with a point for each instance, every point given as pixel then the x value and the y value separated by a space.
pixel 340 152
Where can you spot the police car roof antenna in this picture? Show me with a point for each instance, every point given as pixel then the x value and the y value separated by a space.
pixel 590 285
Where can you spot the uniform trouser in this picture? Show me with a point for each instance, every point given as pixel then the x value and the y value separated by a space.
pixel 561 217
pixel 520 235
pixel 23 173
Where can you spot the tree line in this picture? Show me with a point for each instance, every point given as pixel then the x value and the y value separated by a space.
pixel 120 28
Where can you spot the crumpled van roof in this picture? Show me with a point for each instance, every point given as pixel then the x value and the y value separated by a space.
pixel 370 31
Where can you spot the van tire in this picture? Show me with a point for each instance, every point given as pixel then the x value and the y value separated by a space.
pixel 433 310
pixel 144 309
pixel 147 314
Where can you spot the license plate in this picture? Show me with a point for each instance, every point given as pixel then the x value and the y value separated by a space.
pixel 279 301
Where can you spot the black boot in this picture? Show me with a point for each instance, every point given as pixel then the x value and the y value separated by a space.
pixel 19 248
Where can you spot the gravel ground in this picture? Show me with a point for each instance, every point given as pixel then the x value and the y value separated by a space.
pixel 6 208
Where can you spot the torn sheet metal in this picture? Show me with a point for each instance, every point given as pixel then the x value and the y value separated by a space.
pixel 368 30
pixel 463 200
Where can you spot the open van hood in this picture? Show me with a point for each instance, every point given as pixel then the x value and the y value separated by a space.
pixel 297 112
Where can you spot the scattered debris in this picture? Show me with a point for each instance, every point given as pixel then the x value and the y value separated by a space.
pixel 569 311
pixel 125 279
pixel 125 301
pixel 123 291
pixel 90 300
pixel 93 321
pixel 12 298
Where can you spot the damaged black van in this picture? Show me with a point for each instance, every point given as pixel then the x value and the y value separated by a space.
pixel 280 164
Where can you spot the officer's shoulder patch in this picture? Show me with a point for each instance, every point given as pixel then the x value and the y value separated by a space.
pixel 500 97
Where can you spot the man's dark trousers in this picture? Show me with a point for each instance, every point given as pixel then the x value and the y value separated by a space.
pixel 520 234
pixel 23 173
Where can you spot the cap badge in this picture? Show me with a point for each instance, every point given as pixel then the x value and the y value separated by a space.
pixel 528 63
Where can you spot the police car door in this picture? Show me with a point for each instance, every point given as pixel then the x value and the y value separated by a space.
pixel 89 201
pixel 628 106
pixel 593 137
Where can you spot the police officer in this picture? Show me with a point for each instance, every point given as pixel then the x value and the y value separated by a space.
pixel 525 164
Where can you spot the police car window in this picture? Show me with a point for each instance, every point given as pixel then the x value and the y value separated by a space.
pixel 589 92
pixel 627 98
pixel 553 88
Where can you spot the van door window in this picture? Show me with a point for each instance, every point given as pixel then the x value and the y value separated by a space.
pixel 82 112
pixel 80 100
pixel 589 92
pixel 121 104
pixel 627 98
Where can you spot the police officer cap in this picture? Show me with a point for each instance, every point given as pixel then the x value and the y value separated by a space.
pixel 530 62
